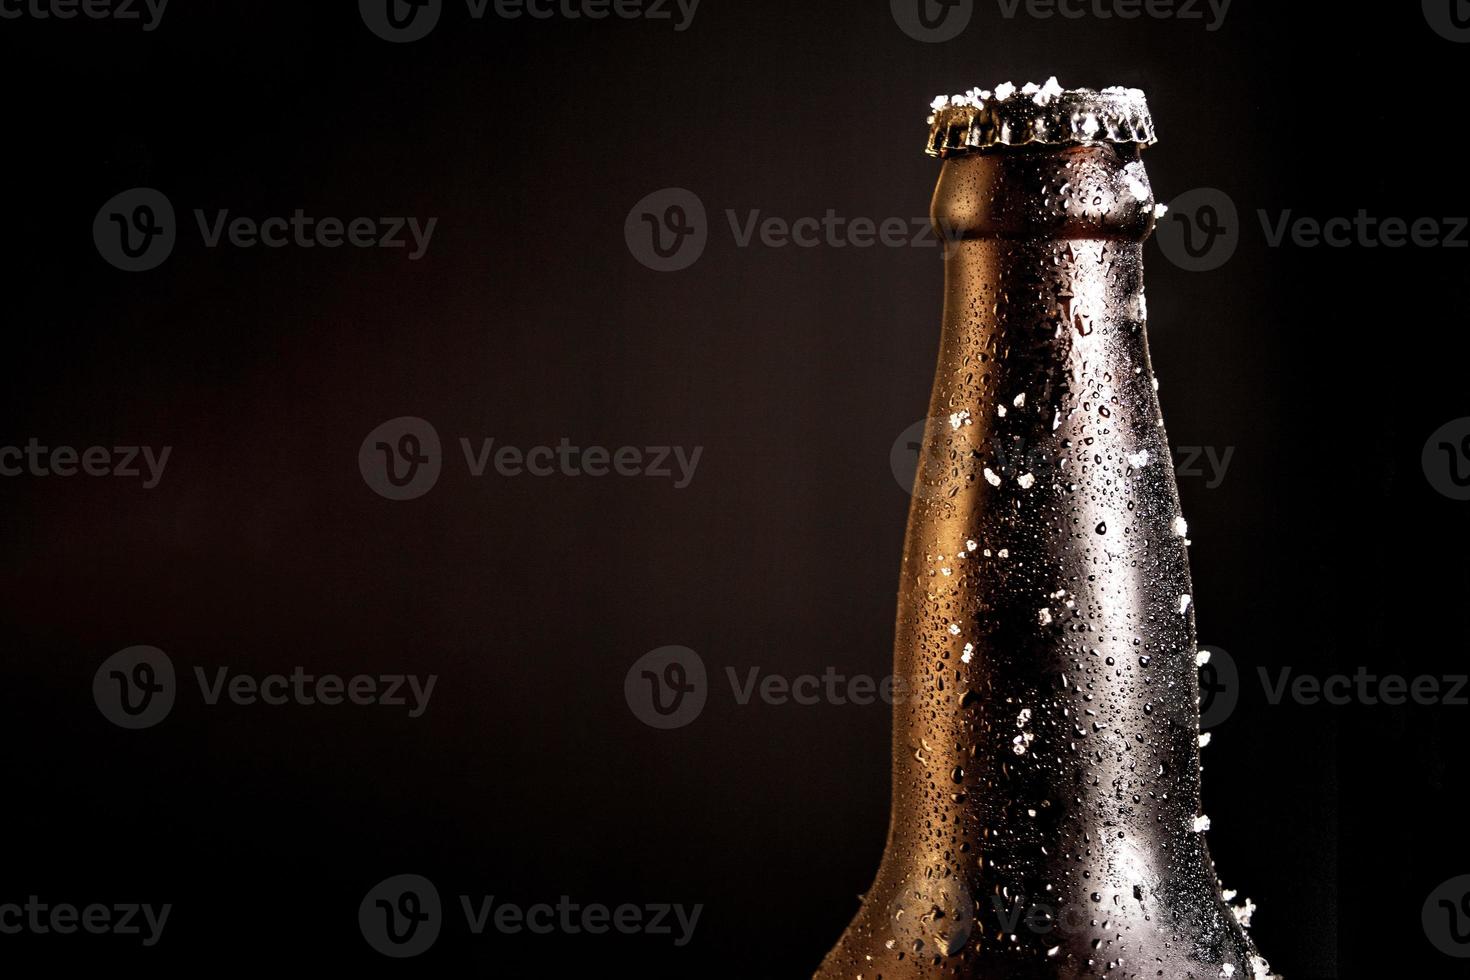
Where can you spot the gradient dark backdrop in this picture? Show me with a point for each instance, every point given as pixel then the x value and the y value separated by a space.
pixel 529 320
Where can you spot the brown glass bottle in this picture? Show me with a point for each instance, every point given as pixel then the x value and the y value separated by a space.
pixel 1046 818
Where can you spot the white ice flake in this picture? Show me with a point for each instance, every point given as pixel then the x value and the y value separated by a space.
pixel 1023 741
pixel 1047 92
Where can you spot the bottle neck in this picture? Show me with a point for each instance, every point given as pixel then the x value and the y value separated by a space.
pixel 1046 629
pixel 1045 754
pixel 1094 192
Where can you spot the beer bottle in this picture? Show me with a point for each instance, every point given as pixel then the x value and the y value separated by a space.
pixel 1046 818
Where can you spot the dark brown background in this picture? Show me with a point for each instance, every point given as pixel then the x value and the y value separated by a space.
pixel 795 369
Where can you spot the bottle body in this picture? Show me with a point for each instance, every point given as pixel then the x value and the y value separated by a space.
pixel 1046 757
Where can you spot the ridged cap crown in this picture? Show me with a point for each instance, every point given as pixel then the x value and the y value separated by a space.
pixel 1046 115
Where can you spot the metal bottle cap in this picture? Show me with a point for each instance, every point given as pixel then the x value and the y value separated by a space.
pixel 1045 115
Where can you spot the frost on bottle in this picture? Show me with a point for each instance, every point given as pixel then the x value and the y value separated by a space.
pixel 1046 818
